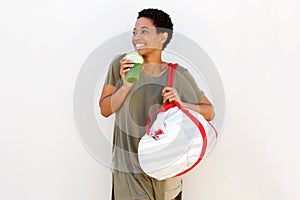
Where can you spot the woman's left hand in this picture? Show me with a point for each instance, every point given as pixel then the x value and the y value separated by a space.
pixel 170 94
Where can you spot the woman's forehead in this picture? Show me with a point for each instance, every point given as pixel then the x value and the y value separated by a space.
pixel 143 22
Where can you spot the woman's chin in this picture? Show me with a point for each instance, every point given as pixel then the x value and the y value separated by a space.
pixel 147 51
pixel 141 51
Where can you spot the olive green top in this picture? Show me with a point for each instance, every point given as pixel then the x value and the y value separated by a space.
pixel 141 101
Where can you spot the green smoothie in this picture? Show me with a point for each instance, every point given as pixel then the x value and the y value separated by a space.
pixel 133 76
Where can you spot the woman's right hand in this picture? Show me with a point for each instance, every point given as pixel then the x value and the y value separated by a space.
pixel 125 67
pixel 112 98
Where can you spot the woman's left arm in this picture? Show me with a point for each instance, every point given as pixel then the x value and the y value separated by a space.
pixel 204 107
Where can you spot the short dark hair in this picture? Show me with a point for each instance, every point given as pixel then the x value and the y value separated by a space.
pixel 161 21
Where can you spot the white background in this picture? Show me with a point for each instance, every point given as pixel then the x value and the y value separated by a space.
pixel 254 44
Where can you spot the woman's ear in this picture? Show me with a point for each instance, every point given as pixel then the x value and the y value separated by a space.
pixel 163 37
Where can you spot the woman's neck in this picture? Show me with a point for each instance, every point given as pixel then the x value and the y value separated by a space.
pixel 153 64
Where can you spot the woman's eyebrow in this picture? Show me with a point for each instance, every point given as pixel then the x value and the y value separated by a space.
pixel 142 27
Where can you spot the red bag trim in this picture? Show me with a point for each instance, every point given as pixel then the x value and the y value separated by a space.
pixel 204 146
pixel 162 109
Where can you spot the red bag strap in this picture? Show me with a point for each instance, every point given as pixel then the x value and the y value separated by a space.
pixel 162 109
pixel 171 73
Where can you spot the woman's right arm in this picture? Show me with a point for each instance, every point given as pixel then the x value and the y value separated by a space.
pixel 111 99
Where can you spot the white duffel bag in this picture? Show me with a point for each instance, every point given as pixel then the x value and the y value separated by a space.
pixel 177 141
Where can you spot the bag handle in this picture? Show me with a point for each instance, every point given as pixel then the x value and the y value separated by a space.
pixel 171 73
pixel 171 76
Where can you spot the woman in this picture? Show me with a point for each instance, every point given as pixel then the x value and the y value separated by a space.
pixel 134 103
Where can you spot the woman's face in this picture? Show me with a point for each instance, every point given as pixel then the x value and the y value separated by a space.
pixel 145 39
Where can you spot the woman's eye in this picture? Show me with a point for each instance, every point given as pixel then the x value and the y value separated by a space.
pixel 133 32
pixel 144 31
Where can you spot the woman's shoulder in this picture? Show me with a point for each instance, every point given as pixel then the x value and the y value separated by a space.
pixel 181 69
pixel 116 60
pixel 183 74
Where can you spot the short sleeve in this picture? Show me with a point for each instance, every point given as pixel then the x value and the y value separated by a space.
pixel 191 93
pixel 113 76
